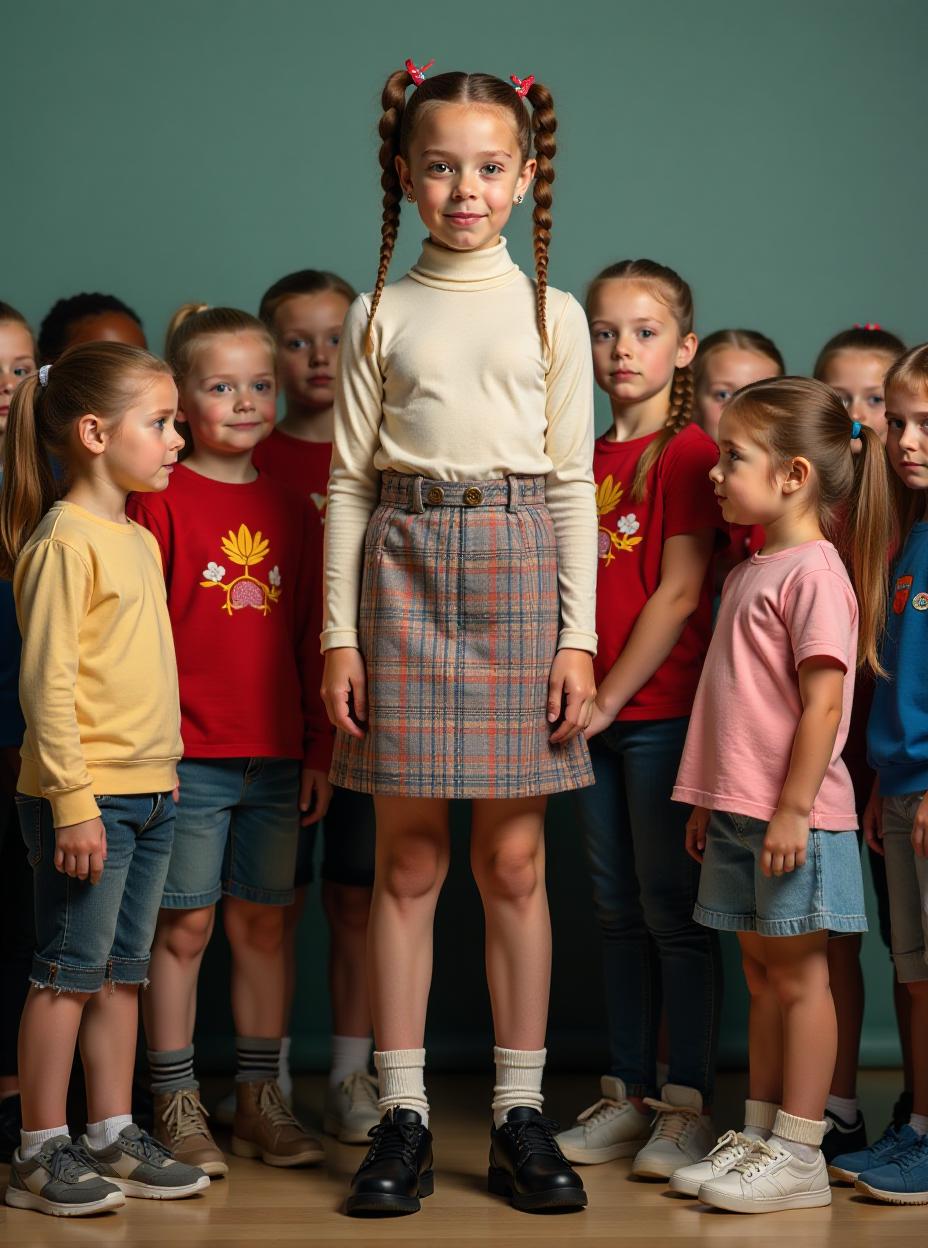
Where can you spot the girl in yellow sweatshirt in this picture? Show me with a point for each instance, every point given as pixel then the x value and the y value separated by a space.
pixel 98 688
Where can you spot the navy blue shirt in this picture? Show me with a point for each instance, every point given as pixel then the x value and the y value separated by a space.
pixel 897 734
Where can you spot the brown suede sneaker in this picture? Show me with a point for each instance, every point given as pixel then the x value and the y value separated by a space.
pixel 264 1127
pixel 180 1125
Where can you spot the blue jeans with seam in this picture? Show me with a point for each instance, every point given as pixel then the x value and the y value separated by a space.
pixel 655 955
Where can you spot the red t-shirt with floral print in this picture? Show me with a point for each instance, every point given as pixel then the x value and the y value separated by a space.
pixel 679 499
pixel 242 577
pixel 304 467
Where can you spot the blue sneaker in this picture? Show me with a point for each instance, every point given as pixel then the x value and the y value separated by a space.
pixel 848 1167
pixel 902 1181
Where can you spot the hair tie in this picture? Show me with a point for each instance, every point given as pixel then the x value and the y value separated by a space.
pixel 43 374
pixel 871 325
pixel 855 430
pixel 417 74
pixel 522 85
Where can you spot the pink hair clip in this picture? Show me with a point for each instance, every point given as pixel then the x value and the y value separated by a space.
pixel 872 325
pixel 522 85
pixel 417 74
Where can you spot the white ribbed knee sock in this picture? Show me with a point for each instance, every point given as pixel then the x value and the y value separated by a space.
pixel 402 1081
pixel 518 1080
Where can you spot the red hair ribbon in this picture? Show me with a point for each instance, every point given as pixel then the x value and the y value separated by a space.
pixel 522 85
pixel 417 74
pixel 869 325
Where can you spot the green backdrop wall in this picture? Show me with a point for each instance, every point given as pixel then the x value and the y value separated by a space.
pixel 773 153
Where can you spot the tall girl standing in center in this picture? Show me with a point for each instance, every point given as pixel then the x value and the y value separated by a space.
pixel 659 526
pixel 460 620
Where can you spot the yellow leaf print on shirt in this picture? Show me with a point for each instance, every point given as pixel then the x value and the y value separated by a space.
pixel 608 496
pixel 246 590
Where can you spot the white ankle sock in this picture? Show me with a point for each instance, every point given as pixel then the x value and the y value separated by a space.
pixel 844 1106
pixel 518 1080
pixel 402 1081
pixel 800 1136
pixel 919 1123
pixel 284 1078
pixel 349 1053
pixel 103 1134
pixel 759 1117
pixel 30 1142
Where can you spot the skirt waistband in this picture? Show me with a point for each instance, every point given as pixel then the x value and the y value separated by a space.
pixel 417 493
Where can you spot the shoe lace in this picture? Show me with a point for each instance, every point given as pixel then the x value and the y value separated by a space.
pixel 604 1109
pixel 759 1155
pixel 185 1115
pixel 728 1147
pixel 361 1090
pixel 69 1164
pixel 147 1148
pixel 271 1103
pixel 393 1139
pixel 672 1121
pixel 887 1141
pixel 917 1155
pixel 533 1137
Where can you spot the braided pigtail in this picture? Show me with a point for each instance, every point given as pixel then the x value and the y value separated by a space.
pixel 544 125
pixel 393 101
pixel 682 411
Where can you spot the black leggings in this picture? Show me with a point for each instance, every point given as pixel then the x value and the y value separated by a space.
pixel 17 929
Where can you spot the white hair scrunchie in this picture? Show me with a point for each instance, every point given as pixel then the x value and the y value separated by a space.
pixel 43 374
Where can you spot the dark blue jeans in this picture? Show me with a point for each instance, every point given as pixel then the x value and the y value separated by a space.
pixel 655 955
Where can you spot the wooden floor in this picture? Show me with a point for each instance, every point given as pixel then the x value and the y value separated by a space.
pixel 260 1205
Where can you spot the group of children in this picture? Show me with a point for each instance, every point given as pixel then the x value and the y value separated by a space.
pixel 506 609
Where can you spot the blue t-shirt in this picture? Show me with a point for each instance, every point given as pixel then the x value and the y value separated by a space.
pixel 897 734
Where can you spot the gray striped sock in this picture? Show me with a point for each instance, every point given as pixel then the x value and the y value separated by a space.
pixel 257 1059
pixel 171 1070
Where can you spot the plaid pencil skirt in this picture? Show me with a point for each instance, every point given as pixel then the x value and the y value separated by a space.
pixel 458 627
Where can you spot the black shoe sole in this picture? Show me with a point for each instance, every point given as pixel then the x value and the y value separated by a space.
pixel 383 1204
pixel 500 1184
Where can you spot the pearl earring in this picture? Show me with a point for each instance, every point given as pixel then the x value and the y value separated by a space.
pixel 410 197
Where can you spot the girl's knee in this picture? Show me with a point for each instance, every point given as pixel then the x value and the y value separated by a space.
pixel 257 928
pixel 185 933
pixel 755 974
pixel 796 981
pixel 510 873
pixel 347 907
pixel 411 870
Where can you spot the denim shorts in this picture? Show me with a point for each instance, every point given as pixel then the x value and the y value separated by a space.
pixel 238 821
pixel 347 842
pixel 907 878
pixel 825 894
pixel 89 934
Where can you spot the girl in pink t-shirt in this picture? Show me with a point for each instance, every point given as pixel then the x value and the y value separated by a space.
pixel 774 816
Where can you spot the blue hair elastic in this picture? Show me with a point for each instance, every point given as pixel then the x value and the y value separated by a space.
pixel 855 429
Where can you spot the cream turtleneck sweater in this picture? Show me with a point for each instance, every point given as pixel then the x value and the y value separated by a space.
pixel 459 388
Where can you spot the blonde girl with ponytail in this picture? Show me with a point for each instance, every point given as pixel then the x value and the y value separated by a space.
pixel 460 590
pixel 659 527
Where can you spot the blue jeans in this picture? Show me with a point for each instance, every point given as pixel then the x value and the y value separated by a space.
pixel 88 934
pixel 655 956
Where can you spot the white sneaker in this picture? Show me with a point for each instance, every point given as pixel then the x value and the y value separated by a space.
pixel 351 1109
pixel 730 1148
pixel 682 1134
pixel 611 1128
pixel 767 1179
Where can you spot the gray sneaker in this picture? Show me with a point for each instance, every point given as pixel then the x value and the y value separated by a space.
pixel 140 1166
pixel 351 1109
pixel 58 1180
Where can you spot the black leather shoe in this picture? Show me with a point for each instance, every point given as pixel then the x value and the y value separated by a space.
pixel 397 1169
pixel 527 1166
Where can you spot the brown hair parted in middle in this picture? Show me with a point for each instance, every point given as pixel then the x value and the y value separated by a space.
pixel 669 287
pixel 910 374
pixel 798 417
pixel 304 282
pixel 535 131
pixel 869 338
pixel 194 321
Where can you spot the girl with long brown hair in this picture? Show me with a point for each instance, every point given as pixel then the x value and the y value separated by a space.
pixel 774 820
pixel 460 592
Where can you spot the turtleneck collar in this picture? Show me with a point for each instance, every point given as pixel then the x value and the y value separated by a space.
pixel 464 270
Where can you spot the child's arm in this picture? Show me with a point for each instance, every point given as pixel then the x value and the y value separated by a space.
pixel 821 688
pixel 684 563
pixel 53 586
